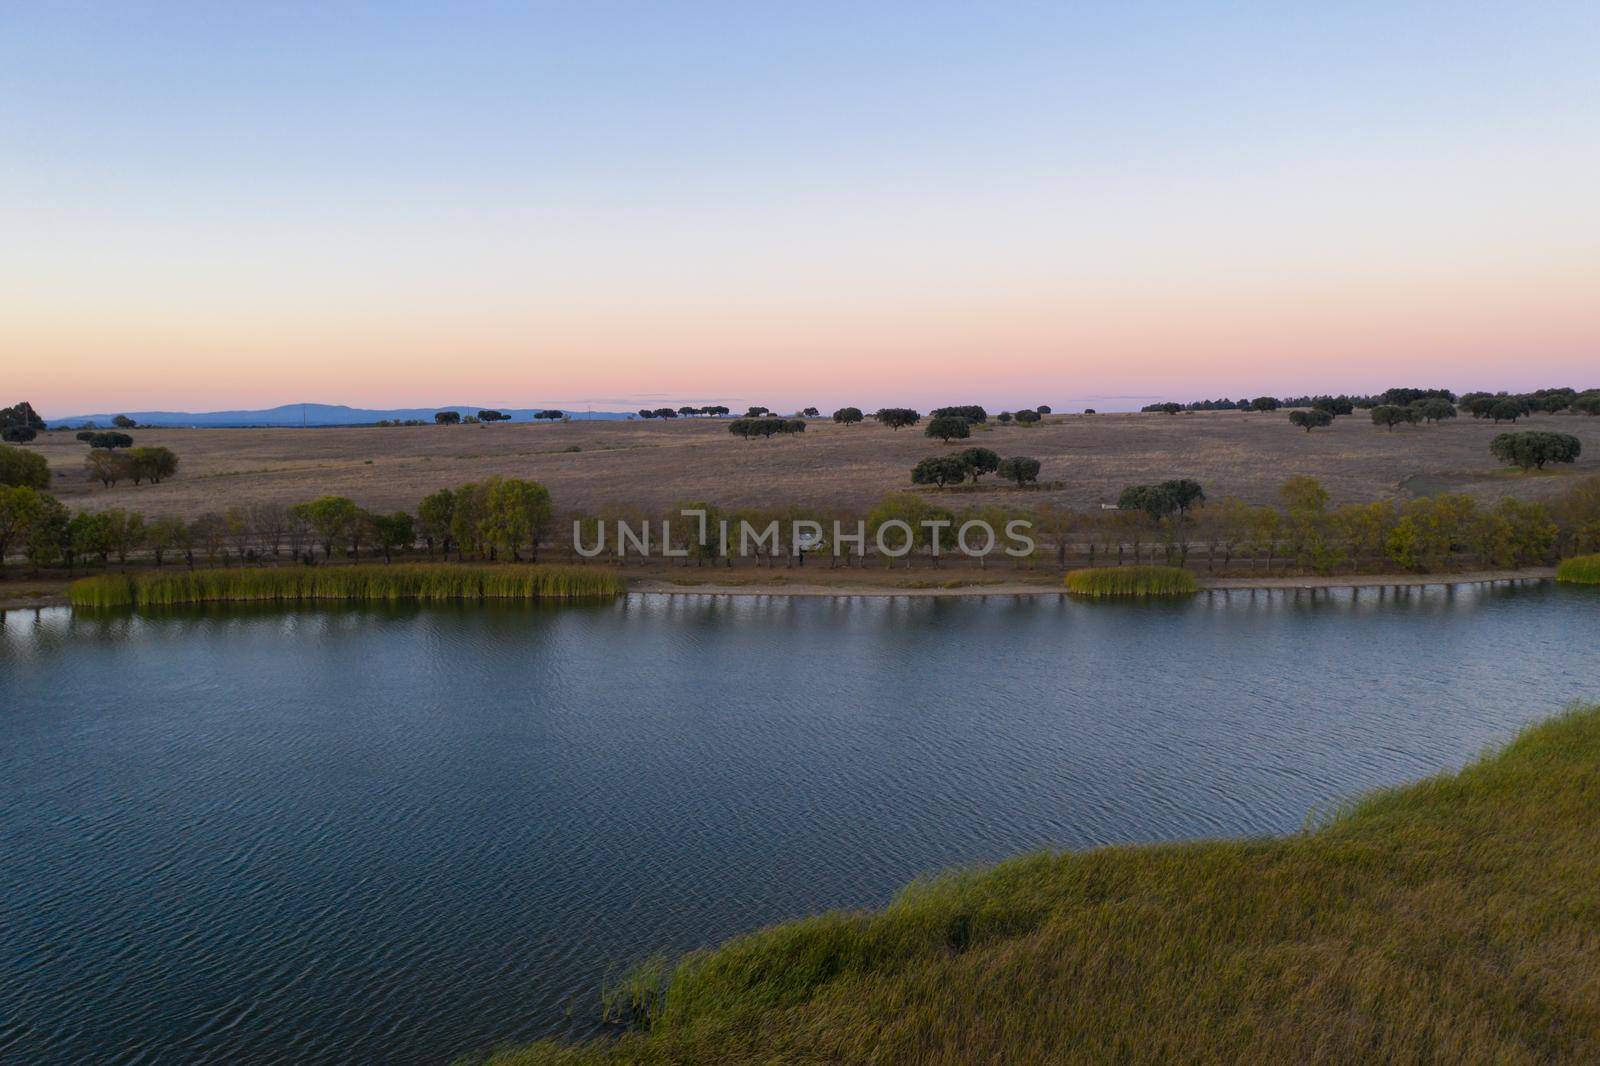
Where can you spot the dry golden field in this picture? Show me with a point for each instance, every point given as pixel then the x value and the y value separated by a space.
pixel 1087 459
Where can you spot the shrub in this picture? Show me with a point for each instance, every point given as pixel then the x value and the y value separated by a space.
pixel 1028 418
pixel 1105 581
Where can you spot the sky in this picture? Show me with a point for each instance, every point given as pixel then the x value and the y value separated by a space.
pixel 209 206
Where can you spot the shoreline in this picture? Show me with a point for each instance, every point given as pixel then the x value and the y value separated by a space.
pixel 54 594
pixel 656 587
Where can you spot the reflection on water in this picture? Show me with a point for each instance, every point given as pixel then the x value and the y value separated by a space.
pixel 400 833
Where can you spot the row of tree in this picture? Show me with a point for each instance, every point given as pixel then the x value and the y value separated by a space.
pixel 1166 521
pixel 1497 405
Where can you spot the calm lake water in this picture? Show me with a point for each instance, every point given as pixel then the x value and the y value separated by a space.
pixel 402 834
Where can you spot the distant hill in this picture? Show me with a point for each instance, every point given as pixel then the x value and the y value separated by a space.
pixel 312 414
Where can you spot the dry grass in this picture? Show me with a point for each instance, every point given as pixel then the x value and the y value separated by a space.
pixel 653 465
pixel 1455 920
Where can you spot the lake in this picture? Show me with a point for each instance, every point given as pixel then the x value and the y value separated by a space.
pixel 402 834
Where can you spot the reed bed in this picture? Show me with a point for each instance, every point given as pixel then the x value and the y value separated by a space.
pixel 420 582
pixel 1131 581
pixel 1580 570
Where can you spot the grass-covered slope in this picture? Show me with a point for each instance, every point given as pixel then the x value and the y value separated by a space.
pixel 1454 920
pixel 415 581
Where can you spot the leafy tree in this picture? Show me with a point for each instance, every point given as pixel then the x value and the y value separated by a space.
pixel 646 413
pixel 1264 403
pixel 110 440
pixel 555 415
pixel 331 519
pixel 493 416
pixel 154 463
pixel 847 416
pixel 88 533
pixel 948 428
pixel 1042 409
pixel 392 531
pixel 980 461
pixel 20 507
pixel 1334 405
pixel 811 412
pixel 447 418
pixel 1531 450
pixel 434 514
pixel 1588 404
pixel 897 417
pixel 516 512
pixel 1407 397
pixel 1389 415
pixel 715 410
pixel 688 412
pixel 666 412
pixel 1434 410
pixel 84 435
pixel 1028 418
pixel 1315 418
pixel 1004 417
pixel 20 416
pixel 1020 469
pixel 1169 408
pixel 940 470
pixel 108 467
pixel 124 532
pixel 46 538
pixel 756 412
pixel 124 422
pixel 1169 498
pixel 1506 410
pixel 466 520
pixel 18 434
pixel 971 412
pixel 166 534
pixel 20 467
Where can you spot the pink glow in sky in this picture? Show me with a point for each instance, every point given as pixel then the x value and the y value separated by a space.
pixel 913 206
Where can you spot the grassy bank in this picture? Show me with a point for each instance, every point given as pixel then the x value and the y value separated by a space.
pixel 1580 570
pixel 1131 581
pixel 421 582
pixel 1454 920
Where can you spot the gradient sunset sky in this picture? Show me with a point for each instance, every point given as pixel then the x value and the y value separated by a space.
pixel 212 206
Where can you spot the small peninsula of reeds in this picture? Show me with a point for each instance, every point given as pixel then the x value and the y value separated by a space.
pixel 1580 570
pixel 1104 581
pixel 418 582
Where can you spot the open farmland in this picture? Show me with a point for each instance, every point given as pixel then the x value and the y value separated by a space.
pixel 588 466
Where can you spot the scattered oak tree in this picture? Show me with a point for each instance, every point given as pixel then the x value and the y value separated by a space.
pixel 940 470
pixel 897 417
pixel 1531 450
pixel 1019 468
pixel 1315 418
